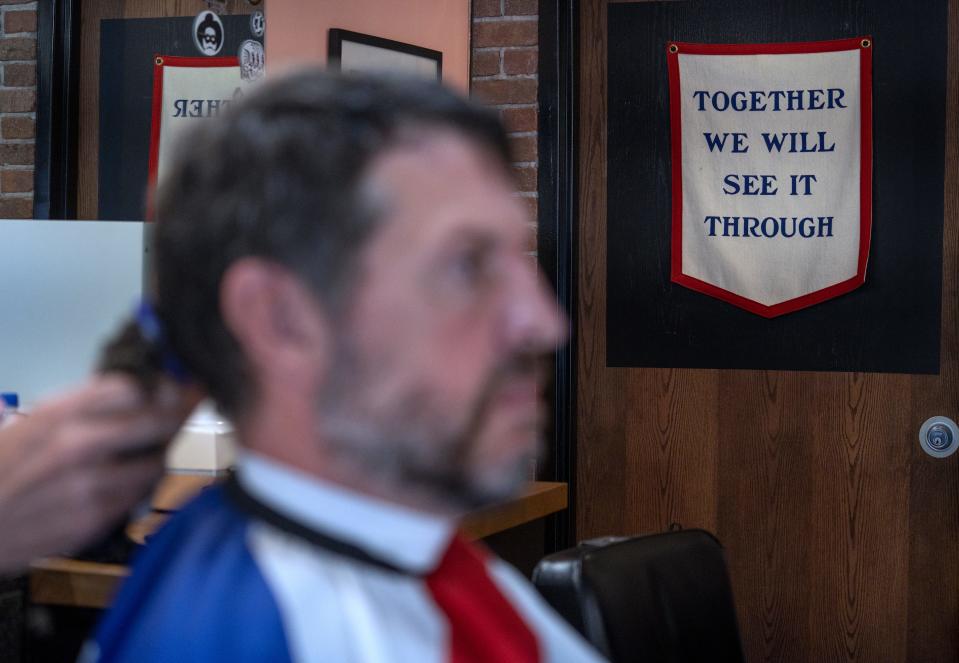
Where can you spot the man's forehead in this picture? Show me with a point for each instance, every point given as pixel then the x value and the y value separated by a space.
pixel 433 147
pixel 441 172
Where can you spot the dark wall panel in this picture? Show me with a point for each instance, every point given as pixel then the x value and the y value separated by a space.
pixel 127 49
pixel 891 324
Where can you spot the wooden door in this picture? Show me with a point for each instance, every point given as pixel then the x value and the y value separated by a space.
pixel 842 535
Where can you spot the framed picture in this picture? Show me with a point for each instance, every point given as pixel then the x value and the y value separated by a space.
pixel 354 51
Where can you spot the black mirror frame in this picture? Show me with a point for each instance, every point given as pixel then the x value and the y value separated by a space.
pixel 58 94
pixel 557 230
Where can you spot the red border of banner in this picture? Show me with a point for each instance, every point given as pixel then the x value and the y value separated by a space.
pixel 159 62
pixel 865 172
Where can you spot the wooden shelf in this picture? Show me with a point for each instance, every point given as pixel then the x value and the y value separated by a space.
pixel 63 581
pixel 540 499
pixel 72 582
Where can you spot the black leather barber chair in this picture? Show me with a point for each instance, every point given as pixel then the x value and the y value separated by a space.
pixel 657 598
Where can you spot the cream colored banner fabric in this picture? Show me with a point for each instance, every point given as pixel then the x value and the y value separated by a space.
pixel 770 148
pixel 191 94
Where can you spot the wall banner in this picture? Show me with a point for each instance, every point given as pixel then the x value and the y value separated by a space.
pixel 771 170
pixel 187 90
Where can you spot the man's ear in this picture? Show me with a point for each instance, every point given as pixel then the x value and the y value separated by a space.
pixel 280 326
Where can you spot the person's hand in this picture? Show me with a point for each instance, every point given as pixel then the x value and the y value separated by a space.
pixel 78 464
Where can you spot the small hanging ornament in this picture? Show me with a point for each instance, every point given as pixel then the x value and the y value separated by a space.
pixel 208 34
pixel 252 60
pixel 257 23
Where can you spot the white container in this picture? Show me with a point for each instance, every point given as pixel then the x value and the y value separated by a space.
pixel 9 409
pixel 205 445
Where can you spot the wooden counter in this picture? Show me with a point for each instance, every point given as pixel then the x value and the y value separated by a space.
pixel 71 582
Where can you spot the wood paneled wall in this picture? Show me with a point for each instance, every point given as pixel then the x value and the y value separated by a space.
pixel 842 536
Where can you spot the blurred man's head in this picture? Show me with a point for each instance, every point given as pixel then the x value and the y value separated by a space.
pixel 343 263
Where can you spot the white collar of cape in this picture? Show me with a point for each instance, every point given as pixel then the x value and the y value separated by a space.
pixel 409 539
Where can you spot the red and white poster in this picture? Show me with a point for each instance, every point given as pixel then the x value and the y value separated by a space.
pixel 771 170
pixel 187 90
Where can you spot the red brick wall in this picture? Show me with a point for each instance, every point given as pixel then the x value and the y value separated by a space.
pixel 504 65
pixel 18 105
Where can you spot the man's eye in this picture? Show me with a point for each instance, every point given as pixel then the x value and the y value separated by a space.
pixel 470 267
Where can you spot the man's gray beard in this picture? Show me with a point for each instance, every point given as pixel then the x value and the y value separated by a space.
pixel 410 450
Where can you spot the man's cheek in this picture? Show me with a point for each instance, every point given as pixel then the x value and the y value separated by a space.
pixel 505 429
pixel 461 372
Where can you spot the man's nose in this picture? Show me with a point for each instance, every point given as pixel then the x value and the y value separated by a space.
pixel 533 321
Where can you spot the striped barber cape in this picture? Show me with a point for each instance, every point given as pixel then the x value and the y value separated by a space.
pixel 277 566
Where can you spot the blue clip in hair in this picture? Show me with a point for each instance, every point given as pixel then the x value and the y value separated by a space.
pixel 152 330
